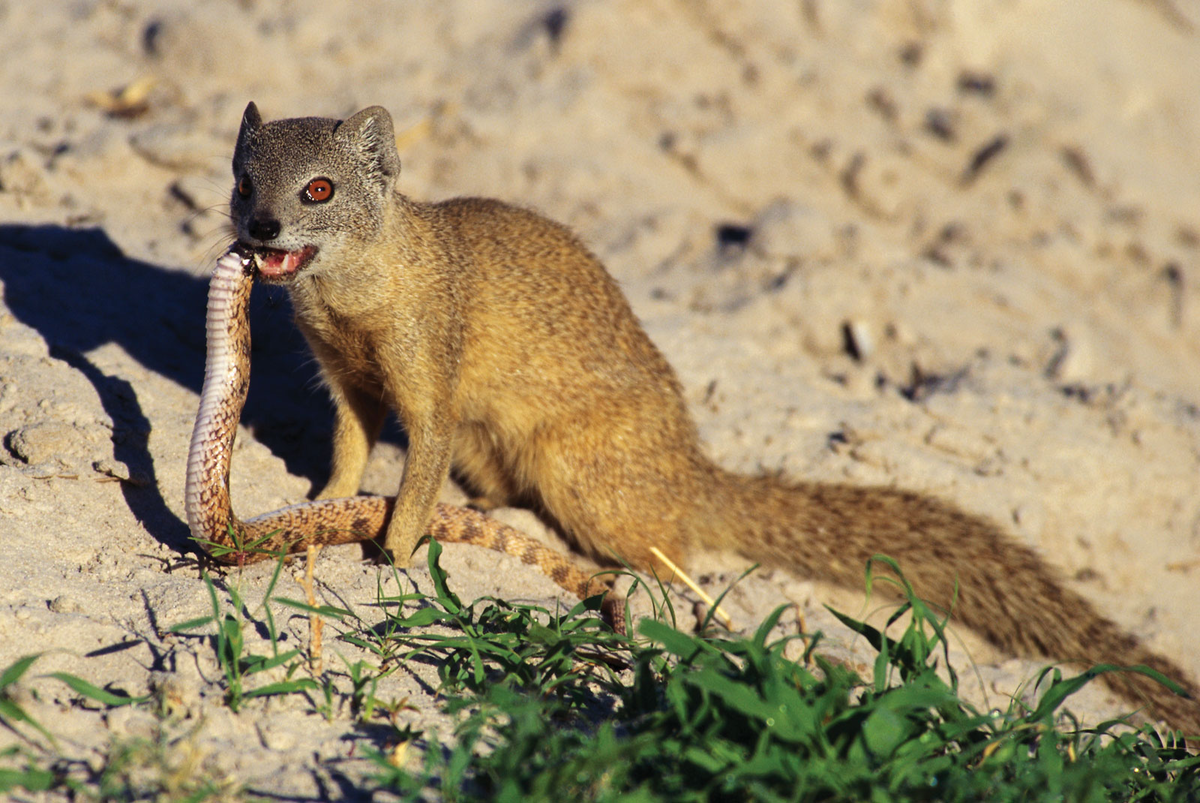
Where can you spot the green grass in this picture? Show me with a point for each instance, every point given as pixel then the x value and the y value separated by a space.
pixel 551 705
pixel 710 717
pixel 229 643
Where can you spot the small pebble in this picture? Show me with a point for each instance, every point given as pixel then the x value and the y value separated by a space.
pixel 39 443
pixel 65 603
pixel 856 336
pixel 276 737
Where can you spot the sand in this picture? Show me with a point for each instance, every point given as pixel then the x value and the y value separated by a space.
pixel 947 247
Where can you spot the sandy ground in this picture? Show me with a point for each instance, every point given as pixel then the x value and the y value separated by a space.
pixel 996 203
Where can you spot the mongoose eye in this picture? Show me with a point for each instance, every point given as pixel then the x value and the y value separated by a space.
pixel 244 187
pixel 318 190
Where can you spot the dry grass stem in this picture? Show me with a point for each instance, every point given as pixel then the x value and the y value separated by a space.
pixel 690 583
pixel 315 622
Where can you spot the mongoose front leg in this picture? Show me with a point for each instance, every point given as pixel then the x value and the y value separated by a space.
pixel 358 419
pixel 425 470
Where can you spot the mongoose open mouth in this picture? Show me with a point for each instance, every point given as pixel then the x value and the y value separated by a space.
pixel 274 265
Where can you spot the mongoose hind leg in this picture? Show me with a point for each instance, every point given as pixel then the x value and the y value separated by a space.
pixel 478 464
pixel 615 505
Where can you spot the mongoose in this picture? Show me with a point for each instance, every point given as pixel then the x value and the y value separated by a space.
pixel 511 356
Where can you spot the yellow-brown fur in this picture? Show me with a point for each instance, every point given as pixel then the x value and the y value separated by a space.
pixel 510 354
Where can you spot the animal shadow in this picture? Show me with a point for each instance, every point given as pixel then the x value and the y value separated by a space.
pixel 79 291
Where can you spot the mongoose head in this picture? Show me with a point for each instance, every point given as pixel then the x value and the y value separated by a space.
pixel 307 189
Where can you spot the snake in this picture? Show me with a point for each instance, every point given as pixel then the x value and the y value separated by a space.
pixel 230 540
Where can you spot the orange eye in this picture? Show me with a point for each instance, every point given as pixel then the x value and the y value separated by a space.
pixel 244 187
pixel 318 190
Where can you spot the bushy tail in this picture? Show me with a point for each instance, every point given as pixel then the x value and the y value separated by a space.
pixel 1005 592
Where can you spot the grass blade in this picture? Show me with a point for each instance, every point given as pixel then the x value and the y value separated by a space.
pixel 93 692
pixel 16 669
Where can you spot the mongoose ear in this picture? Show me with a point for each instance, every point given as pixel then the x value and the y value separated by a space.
pixel 251 123
pixel 370 134
pixel 251 119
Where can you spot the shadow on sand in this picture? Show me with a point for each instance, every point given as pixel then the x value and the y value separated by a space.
pixel 76 288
